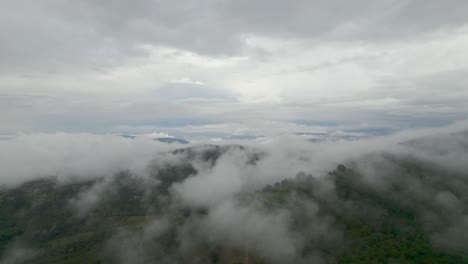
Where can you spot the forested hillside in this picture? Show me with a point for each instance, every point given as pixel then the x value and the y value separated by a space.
pixel 412 212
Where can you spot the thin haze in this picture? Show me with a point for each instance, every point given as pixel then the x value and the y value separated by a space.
pixel 215 68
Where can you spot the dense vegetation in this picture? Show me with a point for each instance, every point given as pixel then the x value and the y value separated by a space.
pixel 337 218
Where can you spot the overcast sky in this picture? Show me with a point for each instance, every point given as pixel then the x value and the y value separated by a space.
pixel 236 67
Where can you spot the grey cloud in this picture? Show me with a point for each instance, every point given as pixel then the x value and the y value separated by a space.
pixel 187 91
pixel 367 20
pixel 68 156
pixel 31 113
pixel 443 86
pixel 17 253
pixel 213 185
pixel 248 229
pixel 96 35
pixel 127 246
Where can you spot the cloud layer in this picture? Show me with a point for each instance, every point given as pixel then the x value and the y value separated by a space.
pixel 97 67
pixel 273 200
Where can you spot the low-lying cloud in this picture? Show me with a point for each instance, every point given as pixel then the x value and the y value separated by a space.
pixel 270 200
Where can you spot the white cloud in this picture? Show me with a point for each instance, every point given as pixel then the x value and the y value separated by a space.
pixel 186 80
pixel 68 156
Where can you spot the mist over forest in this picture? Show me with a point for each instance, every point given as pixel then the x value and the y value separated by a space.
pixel 84 198
pixel 233 132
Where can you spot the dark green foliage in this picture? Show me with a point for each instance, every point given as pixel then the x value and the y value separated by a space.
pixel 377 227
pixel 341 218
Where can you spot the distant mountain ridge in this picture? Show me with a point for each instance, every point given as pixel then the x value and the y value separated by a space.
pixel 170 140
